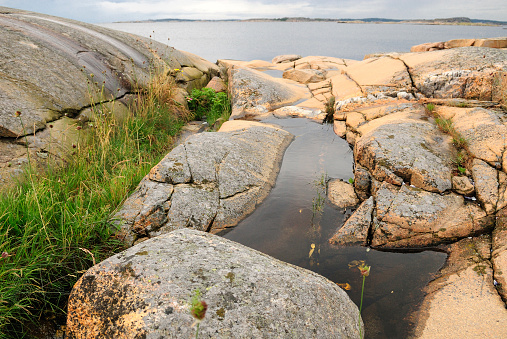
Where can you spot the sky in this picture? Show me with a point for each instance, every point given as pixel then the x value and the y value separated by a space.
pixel 102 11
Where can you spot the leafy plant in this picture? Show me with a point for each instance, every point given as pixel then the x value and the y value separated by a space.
pixel 209 104
pixel 430 107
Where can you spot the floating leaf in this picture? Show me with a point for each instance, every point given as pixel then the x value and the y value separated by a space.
pixel 356 263
pixel 311 251
pixel 345 286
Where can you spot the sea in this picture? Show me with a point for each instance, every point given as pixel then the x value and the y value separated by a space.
pixel 247 41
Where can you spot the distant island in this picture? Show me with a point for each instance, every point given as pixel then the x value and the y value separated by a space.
pixel 440 21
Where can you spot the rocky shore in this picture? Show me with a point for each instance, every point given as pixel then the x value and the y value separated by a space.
pixel 428 132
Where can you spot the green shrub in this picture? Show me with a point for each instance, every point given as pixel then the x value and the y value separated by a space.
pixel 210 104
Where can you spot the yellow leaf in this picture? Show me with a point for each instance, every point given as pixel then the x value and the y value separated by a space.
pixel 311 251
pixel 345 286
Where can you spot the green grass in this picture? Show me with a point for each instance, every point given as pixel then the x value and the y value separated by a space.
pixel 460 143
pixel 54 224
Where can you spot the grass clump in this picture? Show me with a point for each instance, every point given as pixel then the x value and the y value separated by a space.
pixel 209 105
pixel 54 224
pixel 459 142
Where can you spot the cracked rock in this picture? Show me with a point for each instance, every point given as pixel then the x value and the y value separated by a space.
pixel 145 292
pixel 218 179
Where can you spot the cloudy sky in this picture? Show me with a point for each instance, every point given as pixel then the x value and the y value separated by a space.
pixel 99 11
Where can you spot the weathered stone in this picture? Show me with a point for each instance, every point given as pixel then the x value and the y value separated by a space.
pixel 456 73
pixel 354 120
pixel 340 128
pixel 459 43
pixel 285 58
pixel 345 88
pixel 341 193
pixel 484 133
pixel 486 185
pixel 215 180
pixel 326 84
pixel 253 92
pixel 362 183
pixel 463 302
pixel 323 63
pixel 387 107
pixel 217 84
pixel 462 185
pixel 491 43
pixel 351 137
pixel 499 253
pixel 502 191
pixel 413 150
pixel 304 76
pixel 429 46
pixel 356 228
pixel 295 111
pixel 146 291
pixel 415 218
pixel 380 74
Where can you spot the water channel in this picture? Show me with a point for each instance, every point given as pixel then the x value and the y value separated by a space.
pixel 289 227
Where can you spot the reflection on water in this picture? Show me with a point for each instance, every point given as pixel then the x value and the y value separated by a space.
pixel 288 226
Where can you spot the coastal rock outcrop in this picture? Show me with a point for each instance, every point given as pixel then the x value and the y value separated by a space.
pixel 146 290
pixel 209 182
pixel 53 69
pixel 435 46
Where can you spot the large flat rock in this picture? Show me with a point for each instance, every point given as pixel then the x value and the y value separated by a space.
pixel 254 92
pixel 145 292
pixel 209 182
pixel 399 148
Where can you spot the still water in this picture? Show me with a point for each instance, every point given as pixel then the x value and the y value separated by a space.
pixel 285 226
pixel 265 40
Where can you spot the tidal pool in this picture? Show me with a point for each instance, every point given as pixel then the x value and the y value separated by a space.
pixel 290 226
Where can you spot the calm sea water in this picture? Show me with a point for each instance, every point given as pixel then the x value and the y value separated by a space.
pixel 265 40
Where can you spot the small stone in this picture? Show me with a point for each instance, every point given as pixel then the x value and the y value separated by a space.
pixel 463 185
pixel 341 193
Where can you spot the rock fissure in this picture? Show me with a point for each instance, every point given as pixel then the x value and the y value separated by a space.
pixel 355 82
pixel 413 88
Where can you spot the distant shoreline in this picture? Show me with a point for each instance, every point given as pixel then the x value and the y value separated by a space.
pixel 460 21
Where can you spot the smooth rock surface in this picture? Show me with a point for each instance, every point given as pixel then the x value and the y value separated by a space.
pixel 145 292
pixel 463 302
pixel 209 182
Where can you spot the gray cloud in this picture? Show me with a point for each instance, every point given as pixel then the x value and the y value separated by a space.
pixel 117 10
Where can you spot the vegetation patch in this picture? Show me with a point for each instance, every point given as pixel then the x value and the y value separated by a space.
pixel 462 156
pixel 54 223
pixel 206 104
